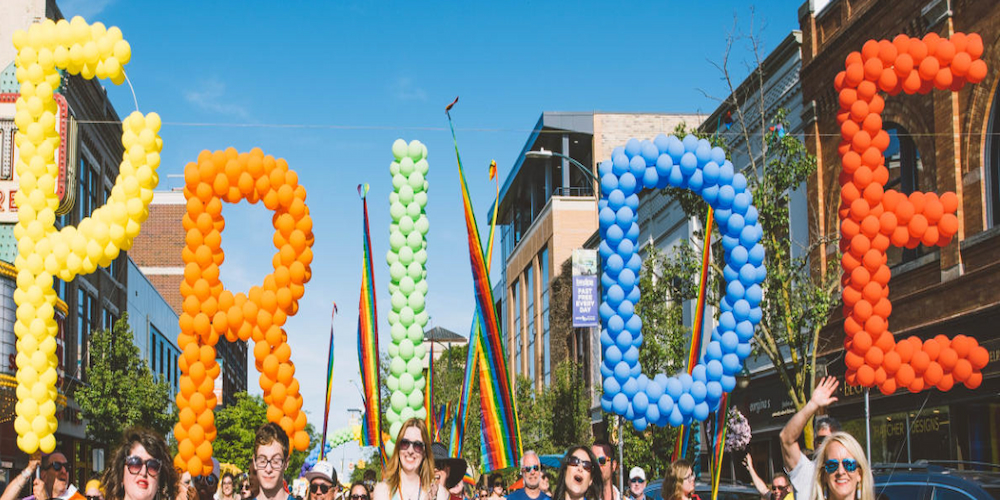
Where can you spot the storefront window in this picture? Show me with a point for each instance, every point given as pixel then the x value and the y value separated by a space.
pixel 906 436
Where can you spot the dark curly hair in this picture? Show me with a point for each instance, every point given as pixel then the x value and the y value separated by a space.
pixel 596 489
pixel 156 446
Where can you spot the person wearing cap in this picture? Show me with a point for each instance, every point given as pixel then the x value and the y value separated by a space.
pixel 93 490
pixel 637 483
pixel 323 483
pixel 206 486
pixel 449 472
pixel 531 473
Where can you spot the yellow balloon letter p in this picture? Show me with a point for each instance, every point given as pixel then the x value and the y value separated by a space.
pixel 43 252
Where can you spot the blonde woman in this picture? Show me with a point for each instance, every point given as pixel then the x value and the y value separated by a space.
pixel 678 482
pixel 409 472
pixel 842 471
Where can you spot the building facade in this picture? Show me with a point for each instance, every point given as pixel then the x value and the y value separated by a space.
pixel 157 253
pixel 155 328
pixel 941 141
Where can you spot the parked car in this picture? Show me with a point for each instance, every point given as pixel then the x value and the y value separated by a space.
pixel 727 491
pixel 937 481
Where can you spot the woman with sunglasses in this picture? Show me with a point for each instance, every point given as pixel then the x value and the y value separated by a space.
pixel 409 472
pixel 842 471
pixel 579 478
pixel 140 469
pixel 678 484
pixel 358 491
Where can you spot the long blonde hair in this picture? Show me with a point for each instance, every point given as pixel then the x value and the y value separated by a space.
pixel 426 469
pixel 867 484
pixel 673 480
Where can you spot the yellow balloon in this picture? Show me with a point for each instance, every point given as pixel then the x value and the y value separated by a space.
pixel 28 442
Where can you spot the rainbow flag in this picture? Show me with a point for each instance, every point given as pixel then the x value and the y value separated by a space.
pixel 429 395
pixel 719 443
pixel 461 420
pixel 329 386
pixel 501 430
pixel 371 431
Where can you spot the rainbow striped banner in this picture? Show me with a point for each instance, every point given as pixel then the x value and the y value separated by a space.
pixel 501 430
pixel 430 421
pixel 371 431
pixel 719 443
pixel 461 420
pixel 329 386
pixel 694 353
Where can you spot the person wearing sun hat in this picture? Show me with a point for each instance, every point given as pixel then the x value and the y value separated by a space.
pixel 323 483
pixel 448 471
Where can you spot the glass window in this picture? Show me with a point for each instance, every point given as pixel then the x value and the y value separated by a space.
pixel 894 491
pixel 992 162
pixel 85 313
pixel 529 319
pixel 949 493
pixel 543 262
pixel 516 328
pixel 907 173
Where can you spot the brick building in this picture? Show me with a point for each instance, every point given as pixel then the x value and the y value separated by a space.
pixel 941 141
pixel 157 253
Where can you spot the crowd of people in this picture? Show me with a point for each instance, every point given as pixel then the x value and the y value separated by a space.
pixel 141 468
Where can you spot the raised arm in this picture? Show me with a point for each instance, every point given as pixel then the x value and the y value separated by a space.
pixel 822 396
pixel 757 481
pixel 18 482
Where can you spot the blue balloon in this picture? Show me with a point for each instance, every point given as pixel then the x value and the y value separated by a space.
pixel 627 183
pixel 741 202
pixel 698 391
pixel 649 152
pixel 676 419
pixel 653 413
pixel 713 351
pixel 748 274
pixel 676 178
pixel 615 325
pixel 606 339
pixel 709 193
pixel 690 143
pixel 743 350
pixel 627 279
pixel 729 342
pixel 718 154
pixel 630 388
pixel 695 182
pixel 700 412
pixel 611 386
pixel 635 262
pixel 761 274
pixel 731 364
pixel 729 243
pixel 686 403
pixel 713 370
pixel 751 216
pixel 613 355
pixel 633 294
pixel 606 217
pixel 726 173
pixel 637 166
pixel 726 195
pixel 663 165
pixel 738 258
pixel 604 167
pixel 633 230
pixel 640 423
pixel 622 371
pixel 650 178
pixel 714 392
pixel 609 182
pixel 604 249
pixel 703 152
pixel 615 296
pixel 626 248
pixel 728 383
pixel 735 291
pixel 735 224
pixel 689 163
pixel 606 371
pixel 754 294
pixel 739 182
pixel 636 337
pixel 619 150
pixel 643 382
pixel 620 403
pixel 626 309
pixel 661 142
pixel 614 235
pixel 632 201
pixel 674 388
pixel 640 402
pixel 614 264
pixel 756 254
pixel 624 341
pixel 722 218
pixel 625 216
pixel 744 331
pixel 616 200
pixel 607 281
pixel 741 309
pixel 666 404
pixel 661 380
pixel 750 235
pixel 685 380
pixel 711 173
pixel 606 403
pixel 602 204
pixel 654 390
pixel 636 370
pixel 675 148
pixel 634 324
pixel 633 147
pixel 727 321
pixel 724 305
pixel 755 315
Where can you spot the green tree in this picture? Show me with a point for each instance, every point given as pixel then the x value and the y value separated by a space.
pixel 236 426
pixel 121 391
pixel 557 416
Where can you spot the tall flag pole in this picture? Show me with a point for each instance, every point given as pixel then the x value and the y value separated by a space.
pixel 684 434
pixel 329 386
pixel 371 431
pixel 501 429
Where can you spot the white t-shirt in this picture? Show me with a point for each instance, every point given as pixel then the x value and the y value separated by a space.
pixel 801 477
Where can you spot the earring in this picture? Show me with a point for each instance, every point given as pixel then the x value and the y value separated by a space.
pixel 857 491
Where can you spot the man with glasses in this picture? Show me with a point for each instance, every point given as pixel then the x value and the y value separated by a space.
pixel 606 459
pixel 270 458
pixel 799 467
pixel 531 471
pixel 53 483
pixel 637 483
pixel 323 483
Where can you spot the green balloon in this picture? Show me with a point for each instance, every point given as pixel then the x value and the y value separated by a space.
pixel 419 351
pixel 421 318
pixel 396 241
pixel 414 209
pixel 406 383
pixel 406 414
pixel 398 301
pixel 406 286
pixel 420 414
pixel 422 167
pixel 398 401
pixel 400 149
pixel 420 257
pixel 393 350
pixel 393 198
pixel 422 225
pixel 415 334
pixel 397 210
pixel 421 198
pixel 417 151
pixel 397 366
pixel 393 317
pixel 416 398
pixel 394 431
pixel 406 224
pixel 406 316
pixel 405 256
pixel 416 180
pixel 415 367
pixel 415 271
pixel 398 181
pixel 397 270
pixel 421 287
pixel 415 241
pixel 416 301
pixel 391 257
pixel 406 166
pixel 393 168
pixel 406 349
pixel 392 382
pixel 398 332
pixel 405 194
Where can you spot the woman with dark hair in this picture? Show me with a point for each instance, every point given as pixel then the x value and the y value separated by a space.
pixel 678 483
pixel 358 491
pixel 496 487
pixel 227 487
pixel 409 472
pixel 579 478
pixel 140 469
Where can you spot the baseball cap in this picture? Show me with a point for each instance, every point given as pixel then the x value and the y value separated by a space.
pixel 637 472
pixel 324 470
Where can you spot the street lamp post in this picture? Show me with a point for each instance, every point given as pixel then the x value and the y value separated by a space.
pixel 544 153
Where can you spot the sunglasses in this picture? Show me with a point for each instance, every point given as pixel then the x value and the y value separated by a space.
pixel 602 460
pixel 93 497
pixel 586 464
pixel 531 468
pixel 637 480
pixel 206 480
pixel 58 466
pixel 134 465
pixel 359 497
pixel 322 489
pixel 831 466
pixel 418 446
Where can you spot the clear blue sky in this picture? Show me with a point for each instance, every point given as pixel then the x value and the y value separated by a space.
pixel 330 85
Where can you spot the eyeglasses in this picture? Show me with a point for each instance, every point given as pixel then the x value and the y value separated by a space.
pixel 637 480
pixel 586 464
pixel 531 468
pixel 209 480
pixel 134 465
pixel 779 488
pixel 418 446
pixel 602 460
pixel 276 462
pixel 689 477
pixel 831 466
pixel 93 497
pixel 58 466
pixel 359 497
pixel 320 488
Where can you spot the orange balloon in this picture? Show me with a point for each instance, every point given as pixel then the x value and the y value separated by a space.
pixel 905 375
pixel 865 375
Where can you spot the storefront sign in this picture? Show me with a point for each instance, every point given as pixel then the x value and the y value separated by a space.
pixel 585 299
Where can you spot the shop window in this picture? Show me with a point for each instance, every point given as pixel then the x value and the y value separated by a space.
pixel 907 173
pixel 86 313
pixel 543 262
pixel 992 162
